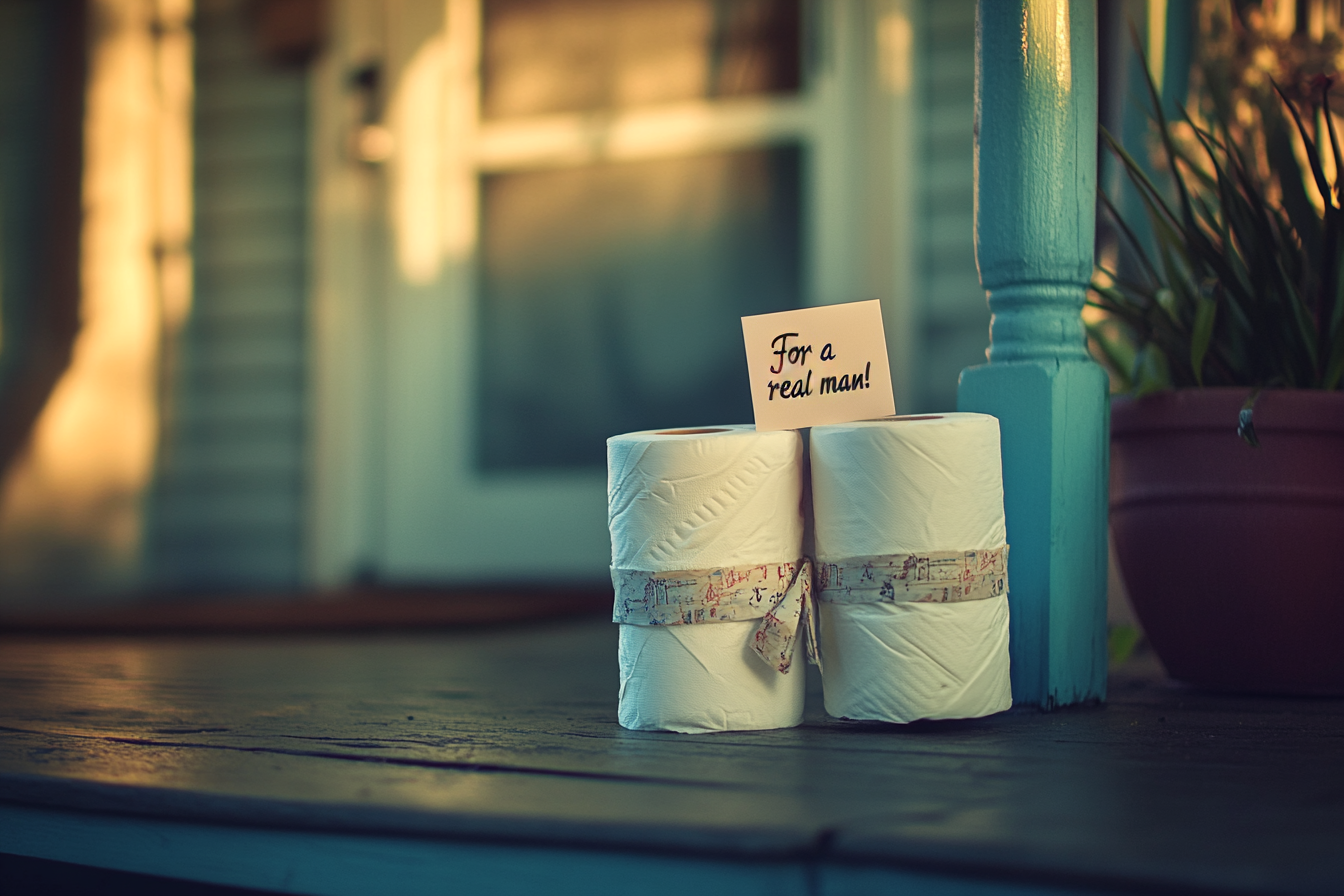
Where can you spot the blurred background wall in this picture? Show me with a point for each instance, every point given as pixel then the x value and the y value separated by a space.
pixel 96 210
pixel 365 285
pixel 225 509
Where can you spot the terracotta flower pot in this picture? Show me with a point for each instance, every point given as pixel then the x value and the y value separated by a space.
pixel 1233 555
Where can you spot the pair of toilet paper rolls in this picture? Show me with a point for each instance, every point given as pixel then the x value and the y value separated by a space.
pixel 730 496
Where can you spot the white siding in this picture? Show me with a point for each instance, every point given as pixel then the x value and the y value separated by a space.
pixel 954 315
pixel 226 507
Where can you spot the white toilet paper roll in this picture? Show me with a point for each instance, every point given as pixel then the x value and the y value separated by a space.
pixel 911 486
pixel 698 499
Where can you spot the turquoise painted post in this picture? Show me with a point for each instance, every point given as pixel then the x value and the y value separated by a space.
pixel 1036 140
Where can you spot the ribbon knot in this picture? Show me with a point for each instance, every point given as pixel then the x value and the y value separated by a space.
pixel 779 594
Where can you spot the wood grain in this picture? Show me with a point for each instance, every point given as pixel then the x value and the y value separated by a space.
pixel 509 736
pixel 355 609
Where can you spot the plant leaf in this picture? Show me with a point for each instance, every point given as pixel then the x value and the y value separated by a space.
pixel 1159 116
pixel 1202 332
pixel 1242 282
pixel 1120 643
pixel 1129 235
pixel 1313 154
pixel 1119 357
pixel 1152 373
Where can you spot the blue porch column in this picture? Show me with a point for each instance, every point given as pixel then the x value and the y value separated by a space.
pixel 1035 187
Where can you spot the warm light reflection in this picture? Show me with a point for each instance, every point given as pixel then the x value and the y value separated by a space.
pixel 72 503
pixel 462 64
pixel 415 115
pixel 1157 40
pixel 636 134
pixel 895 42
pixel 1063 46
pixel 554 56
pixel 1045 41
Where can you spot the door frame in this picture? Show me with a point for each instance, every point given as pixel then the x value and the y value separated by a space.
pixel 393 493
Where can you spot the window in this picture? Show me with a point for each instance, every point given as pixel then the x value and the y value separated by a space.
pixel 611 279
pixel 582 198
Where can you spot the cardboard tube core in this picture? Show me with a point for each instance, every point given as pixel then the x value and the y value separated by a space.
pixel 688 432
pixel 899 419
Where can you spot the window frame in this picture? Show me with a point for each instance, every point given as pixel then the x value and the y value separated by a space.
pixel 394 492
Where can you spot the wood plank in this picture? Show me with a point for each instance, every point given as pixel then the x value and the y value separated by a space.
pixel 511 735
pixel 353 609
pixel 346 865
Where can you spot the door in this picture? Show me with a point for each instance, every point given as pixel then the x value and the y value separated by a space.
pixel 537 224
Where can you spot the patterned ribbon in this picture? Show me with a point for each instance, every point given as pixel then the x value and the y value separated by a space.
pixel 779 594
pixel 933 577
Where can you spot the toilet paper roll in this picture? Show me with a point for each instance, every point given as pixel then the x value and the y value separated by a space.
pixel 695 499
pixel 911 486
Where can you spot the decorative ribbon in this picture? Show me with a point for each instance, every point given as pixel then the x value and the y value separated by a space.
pixel 933 577
pixel 779 594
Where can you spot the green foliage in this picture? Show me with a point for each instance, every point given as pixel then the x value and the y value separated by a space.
pixel 1243 281
pixel 1120 643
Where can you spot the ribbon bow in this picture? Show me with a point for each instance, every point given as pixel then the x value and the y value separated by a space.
pixel 779 594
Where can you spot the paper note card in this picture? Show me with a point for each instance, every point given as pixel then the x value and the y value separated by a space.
pixel 818 365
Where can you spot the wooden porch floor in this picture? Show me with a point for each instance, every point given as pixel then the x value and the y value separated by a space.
pixel 490 761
